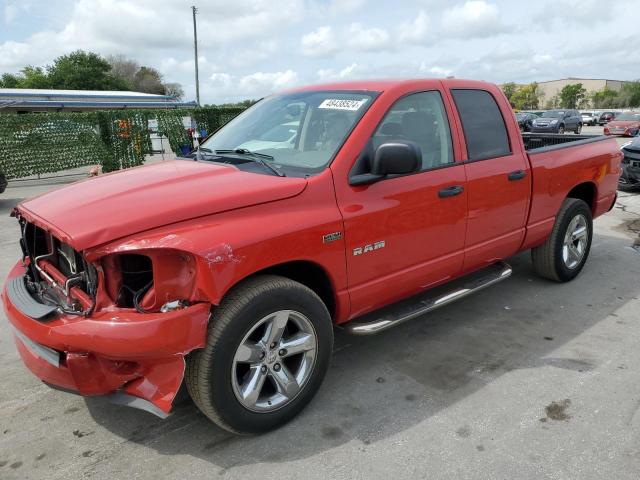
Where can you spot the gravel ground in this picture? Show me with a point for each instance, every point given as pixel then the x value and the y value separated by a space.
pixel 528 380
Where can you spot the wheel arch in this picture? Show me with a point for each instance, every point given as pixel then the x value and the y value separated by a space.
pixel 309 274
pixel 586 191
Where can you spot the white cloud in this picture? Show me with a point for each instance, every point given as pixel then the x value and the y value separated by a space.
pixel 474 19
pixel 416 30
pixel 330 9
pixel 360 38
pixel 320 42
pixel 435 70
pixel 135 28
pixel 10 13
pixel 347 73
pixel 234 87
pixel 325 41
pixel 249 48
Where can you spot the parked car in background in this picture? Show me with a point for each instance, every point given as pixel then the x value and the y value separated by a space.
pixel 626 124
pixel 630 177
pixel 525 119
pixel 558 121
pixel 589 118
pixel 606 117
pixel 3 182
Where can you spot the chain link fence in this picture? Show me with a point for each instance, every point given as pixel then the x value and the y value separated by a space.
pixel 45 143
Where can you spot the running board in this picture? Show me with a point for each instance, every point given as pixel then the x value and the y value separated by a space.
pixel 413 307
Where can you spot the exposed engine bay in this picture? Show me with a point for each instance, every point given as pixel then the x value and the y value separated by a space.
pixel 57 275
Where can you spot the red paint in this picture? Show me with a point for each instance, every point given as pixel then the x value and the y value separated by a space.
pixel 207 227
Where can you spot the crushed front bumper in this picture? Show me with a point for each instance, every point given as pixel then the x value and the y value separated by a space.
pixel 136 358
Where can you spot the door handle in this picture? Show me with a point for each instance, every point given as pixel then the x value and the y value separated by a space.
pixel 451 191
pixel 517 175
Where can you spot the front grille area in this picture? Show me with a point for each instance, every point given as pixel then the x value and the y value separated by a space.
pixel 56 273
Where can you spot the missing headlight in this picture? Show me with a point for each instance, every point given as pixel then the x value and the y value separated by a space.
pixel 137 279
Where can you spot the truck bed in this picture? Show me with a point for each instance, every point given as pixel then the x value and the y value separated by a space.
pixel 558 164
pixel 539 142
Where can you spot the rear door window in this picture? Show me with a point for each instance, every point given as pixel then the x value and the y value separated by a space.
pixel 484 129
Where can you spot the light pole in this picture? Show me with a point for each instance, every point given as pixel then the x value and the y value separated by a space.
pixel 195 48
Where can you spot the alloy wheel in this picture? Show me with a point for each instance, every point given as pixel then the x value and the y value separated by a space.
pixel 575 241
pixel 274 361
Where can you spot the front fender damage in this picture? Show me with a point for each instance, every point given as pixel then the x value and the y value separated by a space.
pixel 156 390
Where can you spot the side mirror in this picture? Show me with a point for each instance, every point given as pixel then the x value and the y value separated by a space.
pixel 392 158
pixel 396 158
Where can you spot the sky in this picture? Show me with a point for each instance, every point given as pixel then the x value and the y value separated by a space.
pixel 251 48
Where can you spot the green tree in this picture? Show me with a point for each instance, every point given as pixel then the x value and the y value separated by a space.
pixel 553 102
pixel 630 94
pixel 29 77
pixel 174 90
pixel 509 89
pixel 241 104
pixel 124 68
pixel 141 78
pixel 148 80
pixel 605 98
pixel 527 97
pixel 83 71
pixel 34 77
pixel 571 95
pixel 9 80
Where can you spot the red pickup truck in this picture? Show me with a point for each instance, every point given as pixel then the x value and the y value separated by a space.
pixel 360 205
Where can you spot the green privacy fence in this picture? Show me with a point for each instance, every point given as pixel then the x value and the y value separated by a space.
pixel 40 143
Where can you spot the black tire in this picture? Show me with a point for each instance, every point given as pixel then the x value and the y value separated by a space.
pixel 209 370
pixel 561 129
pixel 547 258
pixel 579 129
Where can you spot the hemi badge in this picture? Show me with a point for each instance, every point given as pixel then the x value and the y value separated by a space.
pixel 331 237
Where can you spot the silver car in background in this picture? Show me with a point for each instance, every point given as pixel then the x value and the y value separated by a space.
pixel 589 118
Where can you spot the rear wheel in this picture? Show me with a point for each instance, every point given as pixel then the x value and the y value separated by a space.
pixel 563 255
pixel 267 352
pixel 579 129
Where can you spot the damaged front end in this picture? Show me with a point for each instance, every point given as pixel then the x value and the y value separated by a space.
pixel 57 275
pixel 107 323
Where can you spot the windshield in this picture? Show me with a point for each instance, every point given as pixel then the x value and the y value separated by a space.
pixel 302 131
pixel 553 114
pixel 628 116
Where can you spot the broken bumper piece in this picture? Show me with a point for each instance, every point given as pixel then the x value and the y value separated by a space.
pixel 136 359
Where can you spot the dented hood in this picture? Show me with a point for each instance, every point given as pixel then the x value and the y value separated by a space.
pixel 92 212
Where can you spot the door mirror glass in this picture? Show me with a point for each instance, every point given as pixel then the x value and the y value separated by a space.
pixel 396 158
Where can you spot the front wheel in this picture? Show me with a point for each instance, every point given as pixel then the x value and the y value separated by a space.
pixel 563 255
pixel 561 129
pixel 579 129
pixel 267 352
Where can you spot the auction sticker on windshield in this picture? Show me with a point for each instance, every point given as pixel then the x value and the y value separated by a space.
pixel 339 104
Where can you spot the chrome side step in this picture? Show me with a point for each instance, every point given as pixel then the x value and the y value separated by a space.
pixel 413 307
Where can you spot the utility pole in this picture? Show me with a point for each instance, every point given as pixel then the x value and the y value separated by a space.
pixel 195 48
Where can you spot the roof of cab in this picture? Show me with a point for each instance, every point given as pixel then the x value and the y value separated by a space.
pixel 381 85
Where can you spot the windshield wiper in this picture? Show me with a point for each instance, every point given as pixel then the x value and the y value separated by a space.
pixel 257 157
